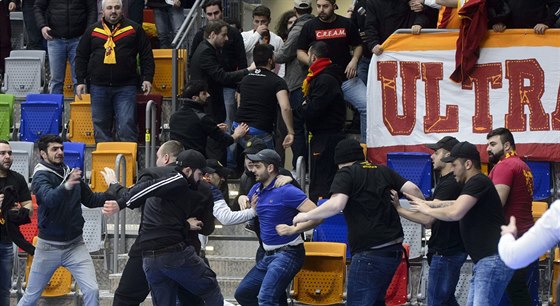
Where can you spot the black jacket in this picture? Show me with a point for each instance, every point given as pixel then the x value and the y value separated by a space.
pixel 91 53
pixel 192 126
pixel 232 55
pixel 169 198
pixel 205 65
pixel 60 210
pixel 66 18
pixel 324 108
pixel 527 13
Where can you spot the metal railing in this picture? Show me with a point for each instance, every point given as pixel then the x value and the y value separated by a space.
pixel 119 230
pixel 300 172
pixel 150 156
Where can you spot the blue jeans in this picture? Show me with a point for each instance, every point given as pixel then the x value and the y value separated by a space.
pixel 180 267
pixel 48 257
pixel 355 92
pixel 299 147
pixel 168 21
pixel 442 279
pixel 114 104
pixel 6 266
pixel 363 69
pixel 60 50
pixel 369 277
pixel 489 281
pixel 266 137
pixel 267 281
pixel 523 288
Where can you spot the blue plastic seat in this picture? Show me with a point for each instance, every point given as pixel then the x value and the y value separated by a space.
pixel 541 180
pixel 332 229
pixel 39 118
pixel 415 167
pixel 74 154
pixel 58 98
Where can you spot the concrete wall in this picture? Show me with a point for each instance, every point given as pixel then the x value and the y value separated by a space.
pixel 278 7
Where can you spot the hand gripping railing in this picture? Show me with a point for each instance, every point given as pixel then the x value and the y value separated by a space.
pixel 119 236
pixel 150 155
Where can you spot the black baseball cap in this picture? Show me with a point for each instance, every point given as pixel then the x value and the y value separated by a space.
pixel 447 143
pixel 463 149
pixel 254 146
pixel 214 166
pixel 267 156
pixel 191 158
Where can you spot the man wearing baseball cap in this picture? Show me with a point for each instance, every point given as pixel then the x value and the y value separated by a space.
pixel 266 283
pixel 479 212
pixel 162 234
pixel 361 190
pixel 446 253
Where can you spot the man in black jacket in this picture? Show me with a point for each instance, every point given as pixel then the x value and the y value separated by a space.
pixel 62 23
pixel 191 126
pixel 232 55
pixel 106 57
pixel 164 235
pixel 324 111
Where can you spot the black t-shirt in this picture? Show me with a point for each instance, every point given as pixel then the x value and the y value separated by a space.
pixel 259 104
pixel 446 236
pixel 20 185
pixel 480 227
pixel 340 35
pixel 372 220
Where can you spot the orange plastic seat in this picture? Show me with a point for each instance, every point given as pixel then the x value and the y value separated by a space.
pixel 68 89
pixel 321 279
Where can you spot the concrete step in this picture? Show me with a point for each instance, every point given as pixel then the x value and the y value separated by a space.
pixel 228 285
pixel 231 266
pixel 232 230
pixel 106 299
pixel 232 248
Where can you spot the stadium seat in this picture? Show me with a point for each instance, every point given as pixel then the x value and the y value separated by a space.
pixel 332 229
pixel 538 209
pixel 22 155
pixel 74 155
pixel 6 116
pixel 413 233
pixel 23 75
pixel 163 74
pixel 93 228
pixel 105 156
pixel 68 84
pixel 39 118
pixel 397 293
pixel 18 30
pixel 141 103
pixel 321 279
pixel 60 283
pixel 80 124
pixel 415 167
pixel 30 230
pixel 542 188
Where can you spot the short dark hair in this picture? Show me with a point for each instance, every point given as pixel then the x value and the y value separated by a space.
pixel 43 142
pixel 262 10
pixel 262 53
pixel 234 22
pixel 319 48
pixel 194 88
pixel 172 148
pixel 214 26
pixel 4 142
pixel 505 136
pixel 300 11
pixel 211 3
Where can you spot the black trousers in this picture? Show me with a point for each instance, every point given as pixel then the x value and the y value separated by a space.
pixel 323 168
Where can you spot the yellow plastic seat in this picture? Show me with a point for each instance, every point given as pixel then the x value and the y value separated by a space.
pixel 80 124
pixel 105 156
pixel 321 279
pixel 163 71
pixel 60 283
pixel 538 209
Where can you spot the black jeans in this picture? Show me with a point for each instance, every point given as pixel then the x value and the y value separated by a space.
pixel 35 39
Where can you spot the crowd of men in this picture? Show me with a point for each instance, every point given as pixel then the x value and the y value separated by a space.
pixel 263 92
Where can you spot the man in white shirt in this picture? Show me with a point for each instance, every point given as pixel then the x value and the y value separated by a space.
pixel 261 20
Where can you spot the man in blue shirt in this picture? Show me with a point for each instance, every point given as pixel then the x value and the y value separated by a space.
pixel 283 244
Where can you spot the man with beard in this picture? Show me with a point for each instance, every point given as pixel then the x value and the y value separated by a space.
pixel 446 253
pixel 514 182
pixel 266 283
pixel 164 234
pixel 192 127
pixel 60 194
pixel 23 208
pixel 479 212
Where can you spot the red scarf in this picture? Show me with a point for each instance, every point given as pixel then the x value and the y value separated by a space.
pixel 314 69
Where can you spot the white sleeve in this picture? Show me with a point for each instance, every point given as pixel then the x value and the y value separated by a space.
pixel 226 216
pixel 535 242
pixel 250 39
pixel 432 4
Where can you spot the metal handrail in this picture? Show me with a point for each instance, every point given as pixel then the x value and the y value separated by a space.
pixel 175 44
pixel 119 236
pixel 150 138
pixel 300 171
